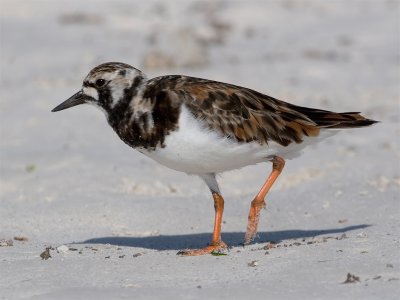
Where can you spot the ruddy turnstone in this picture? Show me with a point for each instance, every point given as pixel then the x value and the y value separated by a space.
pixel 205 127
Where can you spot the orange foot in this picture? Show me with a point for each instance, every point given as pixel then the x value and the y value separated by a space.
pixel 214 247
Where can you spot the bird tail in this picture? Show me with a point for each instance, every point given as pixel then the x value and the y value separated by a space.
pixel 329 119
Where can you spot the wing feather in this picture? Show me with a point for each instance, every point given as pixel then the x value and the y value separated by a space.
pixel 246 115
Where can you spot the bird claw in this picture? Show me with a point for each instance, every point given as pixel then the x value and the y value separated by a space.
pixel 217 248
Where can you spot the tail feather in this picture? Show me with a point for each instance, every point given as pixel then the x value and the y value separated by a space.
pixel 329 119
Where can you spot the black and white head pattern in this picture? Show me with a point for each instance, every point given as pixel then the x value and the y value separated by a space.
pixel 110 83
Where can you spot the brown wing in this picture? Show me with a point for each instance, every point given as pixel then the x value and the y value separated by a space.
pixel 244 114
pixel 247 115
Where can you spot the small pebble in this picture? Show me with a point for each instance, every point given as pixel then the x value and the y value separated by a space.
pixel 338 193
pixel 254 263
pixel 45 255
pixel 6 243
pixel 352 278
pixel 62 249
pixel 269 245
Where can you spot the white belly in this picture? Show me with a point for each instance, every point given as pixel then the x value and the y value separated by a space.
pixel 194 149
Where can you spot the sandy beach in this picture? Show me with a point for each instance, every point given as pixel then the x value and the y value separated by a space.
pixel 83 216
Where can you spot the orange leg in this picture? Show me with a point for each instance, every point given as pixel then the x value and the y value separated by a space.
pixel 277 166
pixel 216 242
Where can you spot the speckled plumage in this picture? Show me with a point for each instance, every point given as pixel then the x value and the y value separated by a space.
pixel 204 127
pixel 246 115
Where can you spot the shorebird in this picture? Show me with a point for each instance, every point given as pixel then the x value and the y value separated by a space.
pixel 204 127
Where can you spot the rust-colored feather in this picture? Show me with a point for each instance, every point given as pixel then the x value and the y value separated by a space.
pixel 246 115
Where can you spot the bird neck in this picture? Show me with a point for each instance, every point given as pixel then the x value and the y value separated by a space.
pixel 145 118
pixel 123 107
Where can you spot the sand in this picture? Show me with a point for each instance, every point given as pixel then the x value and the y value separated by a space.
pixel 112 220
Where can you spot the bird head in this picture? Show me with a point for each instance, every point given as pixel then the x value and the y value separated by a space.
pixel 105 86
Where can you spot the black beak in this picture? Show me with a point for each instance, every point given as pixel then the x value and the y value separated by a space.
pixel 78 98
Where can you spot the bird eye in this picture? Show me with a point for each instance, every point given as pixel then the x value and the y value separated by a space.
pixel 100 82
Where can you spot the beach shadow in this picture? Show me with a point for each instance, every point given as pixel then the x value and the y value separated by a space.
pixel 177 242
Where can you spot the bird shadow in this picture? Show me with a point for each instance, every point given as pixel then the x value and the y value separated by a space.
pixel 176 242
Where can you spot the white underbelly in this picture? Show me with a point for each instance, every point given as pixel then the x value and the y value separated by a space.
pixel 194 149
pixel 196 157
